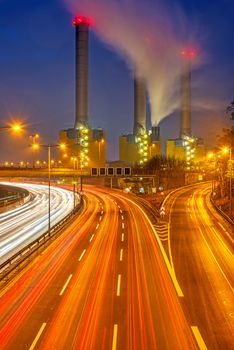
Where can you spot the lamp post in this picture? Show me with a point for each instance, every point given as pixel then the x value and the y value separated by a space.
pixel 48 147
pixel 229 150
pixel 14 127
pixel 35 145
pixel 99 149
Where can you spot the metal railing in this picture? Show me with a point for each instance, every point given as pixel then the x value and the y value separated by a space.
pixel 14 262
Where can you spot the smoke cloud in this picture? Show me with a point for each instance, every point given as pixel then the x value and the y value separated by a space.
pixel 150 37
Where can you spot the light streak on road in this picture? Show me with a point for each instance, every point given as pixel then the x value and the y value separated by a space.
pixel 109 304
pixel 20 226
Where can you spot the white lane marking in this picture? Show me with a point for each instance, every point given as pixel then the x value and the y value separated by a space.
pixel 65 285
pixel 118 286
pixel 122 237
pixel 102 212
pixel 212 254
pixel 97 226
pixel 122 224
pixel 169 267
pixel 84 251
pixel 119 206
pixel 121 255
pixel 37 336
pixel 199 339
pixel 91 238
pixel 222 226
pixel 122 217
pixel 121 211
pixel 114 341
pixel 100 218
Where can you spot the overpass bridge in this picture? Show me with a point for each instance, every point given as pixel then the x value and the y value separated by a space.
pixel 40 172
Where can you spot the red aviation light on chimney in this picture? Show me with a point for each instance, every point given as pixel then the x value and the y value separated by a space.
pixel 189 53
pixel 82 20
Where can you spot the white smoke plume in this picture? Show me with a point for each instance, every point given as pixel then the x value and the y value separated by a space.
pixel 150 38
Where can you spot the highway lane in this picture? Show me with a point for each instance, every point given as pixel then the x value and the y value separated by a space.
pixel 102 285
pixel 22 225
pixel 202 247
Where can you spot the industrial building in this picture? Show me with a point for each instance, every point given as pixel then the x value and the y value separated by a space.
pixel 142 144
pixel 186 148
pixel 84 145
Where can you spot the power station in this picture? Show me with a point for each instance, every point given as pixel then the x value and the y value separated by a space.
pixel 141 145
pixel 85 145
pixel 186 148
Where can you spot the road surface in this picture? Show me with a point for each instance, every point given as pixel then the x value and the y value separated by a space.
pixel 20 226
pixel 201 250
pixel 103 284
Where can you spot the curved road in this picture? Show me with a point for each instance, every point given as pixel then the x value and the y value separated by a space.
pixel 103 284
pixel 201 249
pixel 29 221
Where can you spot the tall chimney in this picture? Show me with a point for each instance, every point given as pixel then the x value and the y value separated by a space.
pixel 139 107
pixel 185 126
pixel 82 70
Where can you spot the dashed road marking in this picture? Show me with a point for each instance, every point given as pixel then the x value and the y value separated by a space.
pixel 65 285
pixel 114 341
pixel 199 339
pixel 121 255
pixel 122 224
pixel 80 258
pixel 91 238
pixel 122 237
pixel 38 336
pixel 122 217
pixel 118 285
pixel 97 226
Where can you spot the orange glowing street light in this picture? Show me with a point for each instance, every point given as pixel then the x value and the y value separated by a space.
pixel 14 127
pixel 48 147
pixel 227 150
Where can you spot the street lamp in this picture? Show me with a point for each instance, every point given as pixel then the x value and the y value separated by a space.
pixel 35 145
pixel 99 149
pixel 14 127
pixel 48 147
pixel 229 150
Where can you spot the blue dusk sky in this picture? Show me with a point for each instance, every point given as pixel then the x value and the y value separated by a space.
pixel 37 74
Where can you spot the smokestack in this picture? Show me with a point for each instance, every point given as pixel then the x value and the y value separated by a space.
pixel 185 127
pixel 82 70
pixel 139 107
pixel 155 136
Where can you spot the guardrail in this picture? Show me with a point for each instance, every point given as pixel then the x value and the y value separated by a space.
pixel 13 262
pixel 220 211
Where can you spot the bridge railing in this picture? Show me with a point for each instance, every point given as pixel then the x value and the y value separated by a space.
pixel 14 262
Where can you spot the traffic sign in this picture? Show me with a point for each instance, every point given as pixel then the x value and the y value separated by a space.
pixel 162 211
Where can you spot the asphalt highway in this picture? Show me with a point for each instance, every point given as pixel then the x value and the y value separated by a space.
pixel 106 283
pixel 201 247
pixel 22 225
